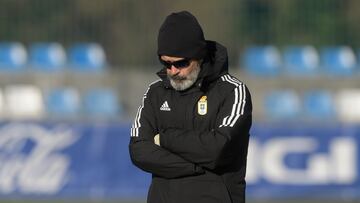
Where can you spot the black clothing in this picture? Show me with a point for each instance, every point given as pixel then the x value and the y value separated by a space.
pixel 204 135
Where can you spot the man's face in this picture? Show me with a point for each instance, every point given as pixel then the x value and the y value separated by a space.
pixel 182 77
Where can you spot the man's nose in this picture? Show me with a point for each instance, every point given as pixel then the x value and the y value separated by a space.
pixel 174 70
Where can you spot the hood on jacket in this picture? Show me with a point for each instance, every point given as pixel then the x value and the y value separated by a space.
pixel 214 65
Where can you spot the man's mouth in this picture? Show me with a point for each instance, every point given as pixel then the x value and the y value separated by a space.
pixel 177 78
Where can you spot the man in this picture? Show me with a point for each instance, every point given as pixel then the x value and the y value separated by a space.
pixel 192 128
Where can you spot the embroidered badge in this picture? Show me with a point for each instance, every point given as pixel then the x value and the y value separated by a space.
pixel 202 106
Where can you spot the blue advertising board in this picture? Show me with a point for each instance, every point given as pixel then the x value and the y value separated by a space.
pixel 82 160
pixel 305 161
pixel 87 160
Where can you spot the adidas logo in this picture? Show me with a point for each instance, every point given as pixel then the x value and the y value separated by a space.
pixel 165 107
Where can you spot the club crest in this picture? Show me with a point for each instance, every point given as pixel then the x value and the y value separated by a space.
pixel 202 105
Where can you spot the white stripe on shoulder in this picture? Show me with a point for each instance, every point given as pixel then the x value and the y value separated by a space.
pixel 230 79
pixel 235 106
pixel 239 101
pixel 136 125
pixel 240 110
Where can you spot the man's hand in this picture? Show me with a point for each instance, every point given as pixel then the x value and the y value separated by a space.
pixel 157 139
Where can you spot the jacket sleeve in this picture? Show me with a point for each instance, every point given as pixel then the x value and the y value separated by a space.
pixel 149 156
pixel 224 143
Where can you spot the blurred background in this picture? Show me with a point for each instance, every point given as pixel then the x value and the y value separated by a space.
pixel 73 72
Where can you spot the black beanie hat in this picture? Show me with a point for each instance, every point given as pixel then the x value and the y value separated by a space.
pixel 181 36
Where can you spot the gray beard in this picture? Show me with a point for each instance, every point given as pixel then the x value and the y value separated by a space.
pixel 182 83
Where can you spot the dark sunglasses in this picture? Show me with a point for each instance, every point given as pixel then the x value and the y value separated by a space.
pixel 177 64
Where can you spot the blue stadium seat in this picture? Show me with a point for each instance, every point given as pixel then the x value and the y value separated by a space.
pixel 87 57
pixel 13 56
pixel 319 104
pixel 301 60
pixel 338 60
pixel 101 103
pixel 262 60
pixel 47 57
pixel 282 104
pixel 63 102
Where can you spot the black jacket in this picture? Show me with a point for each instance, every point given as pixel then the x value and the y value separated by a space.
pixel 204 140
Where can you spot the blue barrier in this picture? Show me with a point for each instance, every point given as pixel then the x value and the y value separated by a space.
pixel 304 161
pixel 87 160
pixel 68 160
